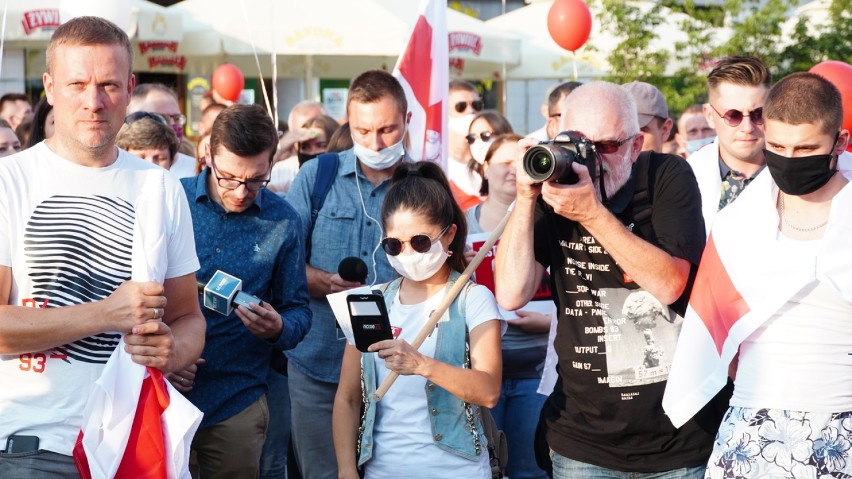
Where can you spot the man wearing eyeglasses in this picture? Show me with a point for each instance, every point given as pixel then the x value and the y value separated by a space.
pixel 160 99
pixel 607 242
pixel 737 89
pixel 245 230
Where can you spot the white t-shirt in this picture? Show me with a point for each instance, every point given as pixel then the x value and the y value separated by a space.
pixel 463 178
pixel 283 173
pixel 800 359
pixel 402 436
pixel 66 231
pixel 183 167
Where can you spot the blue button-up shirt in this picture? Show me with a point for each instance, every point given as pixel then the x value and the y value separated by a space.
pixel 263 247
pixel 347 225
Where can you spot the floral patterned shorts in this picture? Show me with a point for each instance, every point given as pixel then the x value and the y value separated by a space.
pixel 774 443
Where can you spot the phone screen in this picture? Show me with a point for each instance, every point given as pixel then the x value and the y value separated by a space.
pixel 370 322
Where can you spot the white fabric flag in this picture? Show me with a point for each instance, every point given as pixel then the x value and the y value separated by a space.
pixel 112 404
pixel 744 279
pixel 423 72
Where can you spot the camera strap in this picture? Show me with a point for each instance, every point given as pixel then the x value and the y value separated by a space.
pixel 641 205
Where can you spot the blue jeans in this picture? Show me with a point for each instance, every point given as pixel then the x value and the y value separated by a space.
pixel 517 415
pixel 564 468
pixel 311 402
pixel 273 459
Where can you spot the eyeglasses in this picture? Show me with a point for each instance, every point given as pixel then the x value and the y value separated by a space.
pixel 609 146
pixel 233 183
pixel 177 119
pixel 138 115
pixel 461 106
pixel 419 243
pixel 735 117
pixel 485 136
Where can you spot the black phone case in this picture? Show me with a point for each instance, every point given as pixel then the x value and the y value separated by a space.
pixel 370 329
pixel 16 443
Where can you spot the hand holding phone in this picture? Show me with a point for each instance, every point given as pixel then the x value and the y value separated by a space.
pixel 369 318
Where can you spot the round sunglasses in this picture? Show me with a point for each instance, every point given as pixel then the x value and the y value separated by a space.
pixel 420 243
pixel 461 106
pixel 735 117
pixel 485 136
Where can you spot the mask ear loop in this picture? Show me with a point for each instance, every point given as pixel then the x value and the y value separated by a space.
pixel 381 230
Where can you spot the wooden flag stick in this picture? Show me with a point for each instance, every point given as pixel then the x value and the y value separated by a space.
pixel 448 299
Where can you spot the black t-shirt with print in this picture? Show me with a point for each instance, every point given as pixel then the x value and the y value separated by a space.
pixel 615 341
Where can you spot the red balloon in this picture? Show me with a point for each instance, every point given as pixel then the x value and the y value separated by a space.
pixel 228 81
pixel 569 23
pixel 840 74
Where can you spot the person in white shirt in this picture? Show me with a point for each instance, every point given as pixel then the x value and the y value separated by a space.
pixel 67 214
pixel 783 248
pixel 737 89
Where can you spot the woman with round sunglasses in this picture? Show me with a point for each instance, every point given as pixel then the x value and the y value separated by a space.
pixel 524 346
pixel 485 125
pixel 428 424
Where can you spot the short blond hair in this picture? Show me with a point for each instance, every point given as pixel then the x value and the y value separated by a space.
pixel 89 31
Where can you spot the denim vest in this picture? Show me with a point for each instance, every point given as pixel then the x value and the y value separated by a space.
pixel 456 425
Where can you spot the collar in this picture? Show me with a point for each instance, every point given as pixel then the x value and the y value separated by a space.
pixel 201 195
pixel 725 169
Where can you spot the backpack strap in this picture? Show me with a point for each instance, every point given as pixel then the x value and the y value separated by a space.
pixel 326 172
pixel 641 204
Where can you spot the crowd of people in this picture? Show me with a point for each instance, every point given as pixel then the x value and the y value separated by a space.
pixel 721 232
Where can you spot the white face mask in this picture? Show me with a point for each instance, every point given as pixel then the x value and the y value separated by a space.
pixel 694 145
pixel 460 124
pixel 382 159
pixel 478 150
pixel 420 266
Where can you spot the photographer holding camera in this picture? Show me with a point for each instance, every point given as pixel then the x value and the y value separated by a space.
pixel 613 226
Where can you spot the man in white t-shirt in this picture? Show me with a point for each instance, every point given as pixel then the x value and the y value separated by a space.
pixel 160 99
pixel 67 213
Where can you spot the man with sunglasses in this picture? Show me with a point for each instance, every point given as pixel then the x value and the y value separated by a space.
pixel 160 99
pixel 464 103
pixel 245 230
pixel 608 241
pixel 737 89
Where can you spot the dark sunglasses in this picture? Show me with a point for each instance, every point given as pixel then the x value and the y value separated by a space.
pixel 603 147
pixel 485 136
pixel 138 115
pixel 461 106
pixel 419 243
pixel 735 117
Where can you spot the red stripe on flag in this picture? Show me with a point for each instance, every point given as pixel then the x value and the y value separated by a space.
pixel 715 298
pixel 145 455
pixel 416 64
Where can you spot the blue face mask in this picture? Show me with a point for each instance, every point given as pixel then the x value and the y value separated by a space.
pixel 694 145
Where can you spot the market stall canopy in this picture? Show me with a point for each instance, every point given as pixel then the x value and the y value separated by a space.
pixel 328 38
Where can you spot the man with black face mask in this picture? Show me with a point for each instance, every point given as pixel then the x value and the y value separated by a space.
pixel 774 289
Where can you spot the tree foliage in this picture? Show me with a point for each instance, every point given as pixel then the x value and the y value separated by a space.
pixel 755 28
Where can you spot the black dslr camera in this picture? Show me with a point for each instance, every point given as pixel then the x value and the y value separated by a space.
pixel 551 160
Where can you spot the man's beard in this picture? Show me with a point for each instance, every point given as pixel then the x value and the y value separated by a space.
pixel 615 176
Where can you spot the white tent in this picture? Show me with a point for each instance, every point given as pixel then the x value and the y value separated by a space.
pixel 331 39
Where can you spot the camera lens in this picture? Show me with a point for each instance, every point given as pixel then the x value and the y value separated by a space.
pixel 541 163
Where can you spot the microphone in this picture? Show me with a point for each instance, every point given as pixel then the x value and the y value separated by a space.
pixel 224 292
pixel 353 269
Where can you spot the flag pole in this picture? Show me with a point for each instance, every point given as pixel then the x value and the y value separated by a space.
pixel 448 299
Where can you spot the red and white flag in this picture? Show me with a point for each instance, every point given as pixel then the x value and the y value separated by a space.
pixel 744 278
pixel 423 71
pixel 136 424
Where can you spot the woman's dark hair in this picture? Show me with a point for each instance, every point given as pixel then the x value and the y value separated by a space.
pixel 42 109
pixel 325 123
pixel 499 126
pixel 341 139
pixel 499 141
pixel 423 189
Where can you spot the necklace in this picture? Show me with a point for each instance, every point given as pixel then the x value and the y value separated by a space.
pixel 797 228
